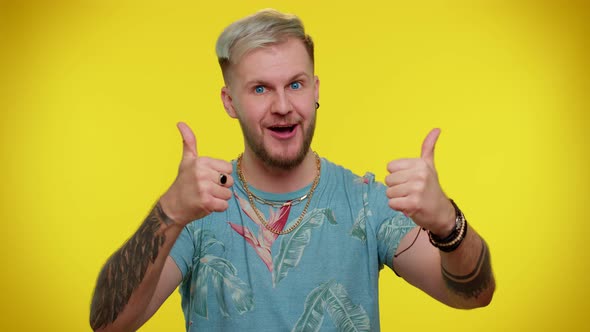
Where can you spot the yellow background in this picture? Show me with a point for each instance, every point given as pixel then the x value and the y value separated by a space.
pixel 90 92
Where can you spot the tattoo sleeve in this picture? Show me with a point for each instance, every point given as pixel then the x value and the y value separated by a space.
pixel 126 268
pixel 474 283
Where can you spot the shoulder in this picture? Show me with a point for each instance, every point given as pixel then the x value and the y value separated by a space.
pixel 344 178
pixel 334 171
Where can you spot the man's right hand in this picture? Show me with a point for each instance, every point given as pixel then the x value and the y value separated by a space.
pixel 197 190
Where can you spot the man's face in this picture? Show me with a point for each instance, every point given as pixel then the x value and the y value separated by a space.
pixel 272 91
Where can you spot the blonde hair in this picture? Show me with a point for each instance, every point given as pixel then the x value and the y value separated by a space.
pixel 264 28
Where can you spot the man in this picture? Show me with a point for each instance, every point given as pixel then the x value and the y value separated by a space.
pixel 281 239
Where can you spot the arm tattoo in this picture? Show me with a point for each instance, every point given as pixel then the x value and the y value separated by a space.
pixel 126 268
pixel 474 283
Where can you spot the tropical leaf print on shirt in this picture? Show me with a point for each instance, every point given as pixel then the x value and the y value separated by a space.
pixel 390 234
pixel 333 298
pixel 294 243
pixel 359 228
pixel 263 242
pixel 220 275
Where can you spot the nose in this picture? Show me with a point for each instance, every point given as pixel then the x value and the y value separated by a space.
pixel 282 104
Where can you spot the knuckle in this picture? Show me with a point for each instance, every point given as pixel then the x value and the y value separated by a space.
pixel 221 206
pixel 419 186
pixel 422 174
pixel 389 180
pixel 228 167
pixel 200 180
pixel 391 204
pixel 390 167
pixel 200 166
pixel 230 180
pixel 206 201
pixel 389 192
pixel 199 188
pixel 226 194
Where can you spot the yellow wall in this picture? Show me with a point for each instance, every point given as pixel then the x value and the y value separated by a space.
pixel 91 92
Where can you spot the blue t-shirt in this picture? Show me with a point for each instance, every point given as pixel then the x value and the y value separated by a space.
pixel 238 276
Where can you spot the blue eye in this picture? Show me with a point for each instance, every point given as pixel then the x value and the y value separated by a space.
pixel 259 89
pixel 295 85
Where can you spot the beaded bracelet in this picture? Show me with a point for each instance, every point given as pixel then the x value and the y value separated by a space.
pixel 452 241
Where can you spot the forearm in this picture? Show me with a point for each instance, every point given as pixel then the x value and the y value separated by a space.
pixel 129 278
pixel 467 273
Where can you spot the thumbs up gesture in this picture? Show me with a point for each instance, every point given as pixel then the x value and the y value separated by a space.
pixel 414 189
pixel 201 186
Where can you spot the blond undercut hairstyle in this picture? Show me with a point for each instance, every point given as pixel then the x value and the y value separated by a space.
pixel 262 29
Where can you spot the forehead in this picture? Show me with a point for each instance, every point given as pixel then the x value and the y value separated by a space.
pixel 273 63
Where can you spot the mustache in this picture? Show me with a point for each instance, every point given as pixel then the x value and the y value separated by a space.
pixel 285 121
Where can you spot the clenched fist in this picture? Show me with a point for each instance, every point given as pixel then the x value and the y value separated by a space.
pixel 202 185
pixel 414 189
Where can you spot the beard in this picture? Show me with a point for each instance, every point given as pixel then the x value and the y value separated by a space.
pixel 278 162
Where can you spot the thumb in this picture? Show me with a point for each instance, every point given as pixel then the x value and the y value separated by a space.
pixel 189 142
pixel 428 146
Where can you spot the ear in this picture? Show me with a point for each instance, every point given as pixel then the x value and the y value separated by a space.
pixel 228 102
pixel 316 88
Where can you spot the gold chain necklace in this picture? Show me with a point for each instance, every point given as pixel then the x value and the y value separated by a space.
pixel 316 180
pixel 277 203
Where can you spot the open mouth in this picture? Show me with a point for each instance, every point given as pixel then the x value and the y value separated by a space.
pixel 282 129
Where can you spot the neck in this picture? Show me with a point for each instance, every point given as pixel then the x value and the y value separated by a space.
pixel 270 179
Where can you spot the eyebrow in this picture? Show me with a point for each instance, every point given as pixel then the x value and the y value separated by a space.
pixel 295 77
pixel 298 76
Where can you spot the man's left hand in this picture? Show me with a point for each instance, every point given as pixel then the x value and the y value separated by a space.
pixel 414 190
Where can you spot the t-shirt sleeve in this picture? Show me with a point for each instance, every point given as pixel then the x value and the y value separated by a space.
pixel 183 250
pixel 390 225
